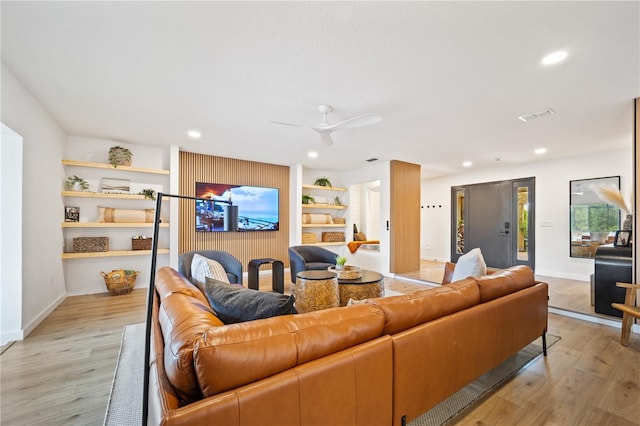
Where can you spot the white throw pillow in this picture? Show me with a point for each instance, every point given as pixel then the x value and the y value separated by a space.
pixel 202 267
pixel 470 264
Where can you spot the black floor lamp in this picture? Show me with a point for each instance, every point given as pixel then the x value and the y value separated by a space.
pixel 150 298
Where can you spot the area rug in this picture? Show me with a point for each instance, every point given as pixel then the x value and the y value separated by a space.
pixel 467 397
pixel 125 401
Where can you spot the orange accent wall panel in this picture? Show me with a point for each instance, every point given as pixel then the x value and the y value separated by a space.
pixel 405 217
pixel 243 245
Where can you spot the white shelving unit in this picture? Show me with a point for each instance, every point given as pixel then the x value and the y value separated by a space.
pixel 90 199
pixel 323 208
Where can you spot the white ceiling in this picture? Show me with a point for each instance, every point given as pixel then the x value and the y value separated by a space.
pixel 449 79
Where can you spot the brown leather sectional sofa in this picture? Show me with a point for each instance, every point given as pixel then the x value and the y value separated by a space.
pixel 379 363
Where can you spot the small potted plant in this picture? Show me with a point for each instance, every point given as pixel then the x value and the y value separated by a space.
pixel 148 193
pixel 323 181
pixel 337 201
pixel 75 183
pixel 120 156
pixel 340 261
pixel 308 199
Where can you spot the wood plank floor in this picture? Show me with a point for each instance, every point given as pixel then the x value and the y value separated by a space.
pixel 61 374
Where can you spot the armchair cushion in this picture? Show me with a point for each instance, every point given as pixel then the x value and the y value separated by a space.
pixel 305 258
pixel 202 268
pixel 231 265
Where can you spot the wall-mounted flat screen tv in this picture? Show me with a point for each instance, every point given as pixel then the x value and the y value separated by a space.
pixel 236 208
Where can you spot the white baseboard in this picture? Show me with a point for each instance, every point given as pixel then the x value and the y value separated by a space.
pixel 635 328
pixel 45 313
pixel 11 336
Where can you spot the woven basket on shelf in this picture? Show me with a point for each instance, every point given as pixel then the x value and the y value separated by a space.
pixel 308 238
pixel 90 244
pixel 120 281
pixel 141 243
pixel 339 220
pixel 332 237
pixel 347 272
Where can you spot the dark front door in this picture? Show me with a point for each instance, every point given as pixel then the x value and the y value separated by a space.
pixel 496 217
pixel 489 223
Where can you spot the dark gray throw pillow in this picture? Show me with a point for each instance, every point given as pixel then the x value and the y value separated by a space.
pixel 238 304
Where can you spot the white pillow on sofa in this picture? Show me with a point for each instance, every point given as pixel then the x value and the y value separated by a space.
pixel 203 267
pixel 470 264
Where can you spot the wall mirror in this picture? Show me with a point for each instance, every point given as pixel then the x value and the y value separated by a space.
pixel 593 221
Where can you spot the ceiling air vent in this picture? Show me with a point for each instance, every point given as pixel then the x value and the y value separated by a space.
pixel 371 160
pixel 538 114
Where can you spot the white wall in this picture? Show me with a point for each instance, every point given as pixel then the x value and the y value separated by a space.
pixel 10 236
pixel 552 206
pixel 43 145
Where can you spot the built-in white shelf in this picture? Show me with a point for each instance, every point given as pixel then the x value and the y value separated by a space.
pixel 112 253
pixel 326 188
pixel 109 166
pixel 110 225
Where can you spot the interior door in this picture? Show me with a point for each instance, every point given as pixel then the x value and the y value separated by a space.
pixel 496 217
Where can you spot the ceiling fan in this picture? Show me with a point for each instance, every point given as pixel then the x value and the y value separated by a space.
pixel 325 129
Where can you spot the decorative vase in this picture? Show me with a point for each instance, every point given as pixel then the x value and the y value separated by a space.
pixel 628 222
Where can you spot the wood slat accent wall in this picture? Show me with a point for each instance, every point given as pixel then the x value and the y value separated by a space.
pixel 405 217
pixel 243 245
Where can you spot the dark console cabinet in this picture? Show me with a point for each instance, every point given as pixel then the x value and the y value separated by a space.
pixel 612 264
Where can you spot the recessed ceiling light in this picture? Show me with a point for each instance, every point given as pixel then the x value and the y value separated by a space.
pixel 540 151
pixel 467 164
pixel 312 154
pixel 554 58
pixel 194 134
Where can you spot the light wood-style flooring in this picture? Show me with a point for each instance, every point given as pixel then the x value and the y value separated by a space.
pixel 571 295
pixel 61 374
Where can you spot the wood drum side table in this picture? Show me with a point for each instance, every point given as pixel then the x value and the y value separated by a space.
pixel 316 290
pixel 370 284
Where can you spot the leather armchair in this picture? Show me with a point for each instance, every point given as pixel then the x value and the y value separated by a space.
pixel 306 258
pixel 231 265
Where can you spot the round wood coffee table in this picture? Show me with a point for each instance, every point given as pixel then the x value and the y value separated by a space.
pixel 370 284
pixel 316 290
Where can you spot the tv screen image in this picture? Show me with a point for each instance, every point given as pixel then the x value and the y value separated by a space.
pixel 236 208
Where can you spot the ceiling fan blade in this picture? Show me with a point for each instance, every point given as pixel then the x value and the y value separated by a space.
pixel 360 121
pixel 291 124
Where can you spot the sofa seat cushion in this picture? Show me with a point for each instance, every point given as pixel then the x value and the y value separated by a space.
pixel 409 310
pixel 238 354
pixel 234 304
pixel 504 282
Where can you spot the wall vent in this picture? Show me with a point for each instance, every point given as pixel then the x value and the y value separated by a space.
pixel 538 114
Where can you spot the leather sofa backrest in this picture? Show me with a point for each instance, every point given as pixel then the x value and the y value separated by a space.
pixel 406 311
pixel 183 319
pixel 504 282
pixel 169 281
pixel 238 354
